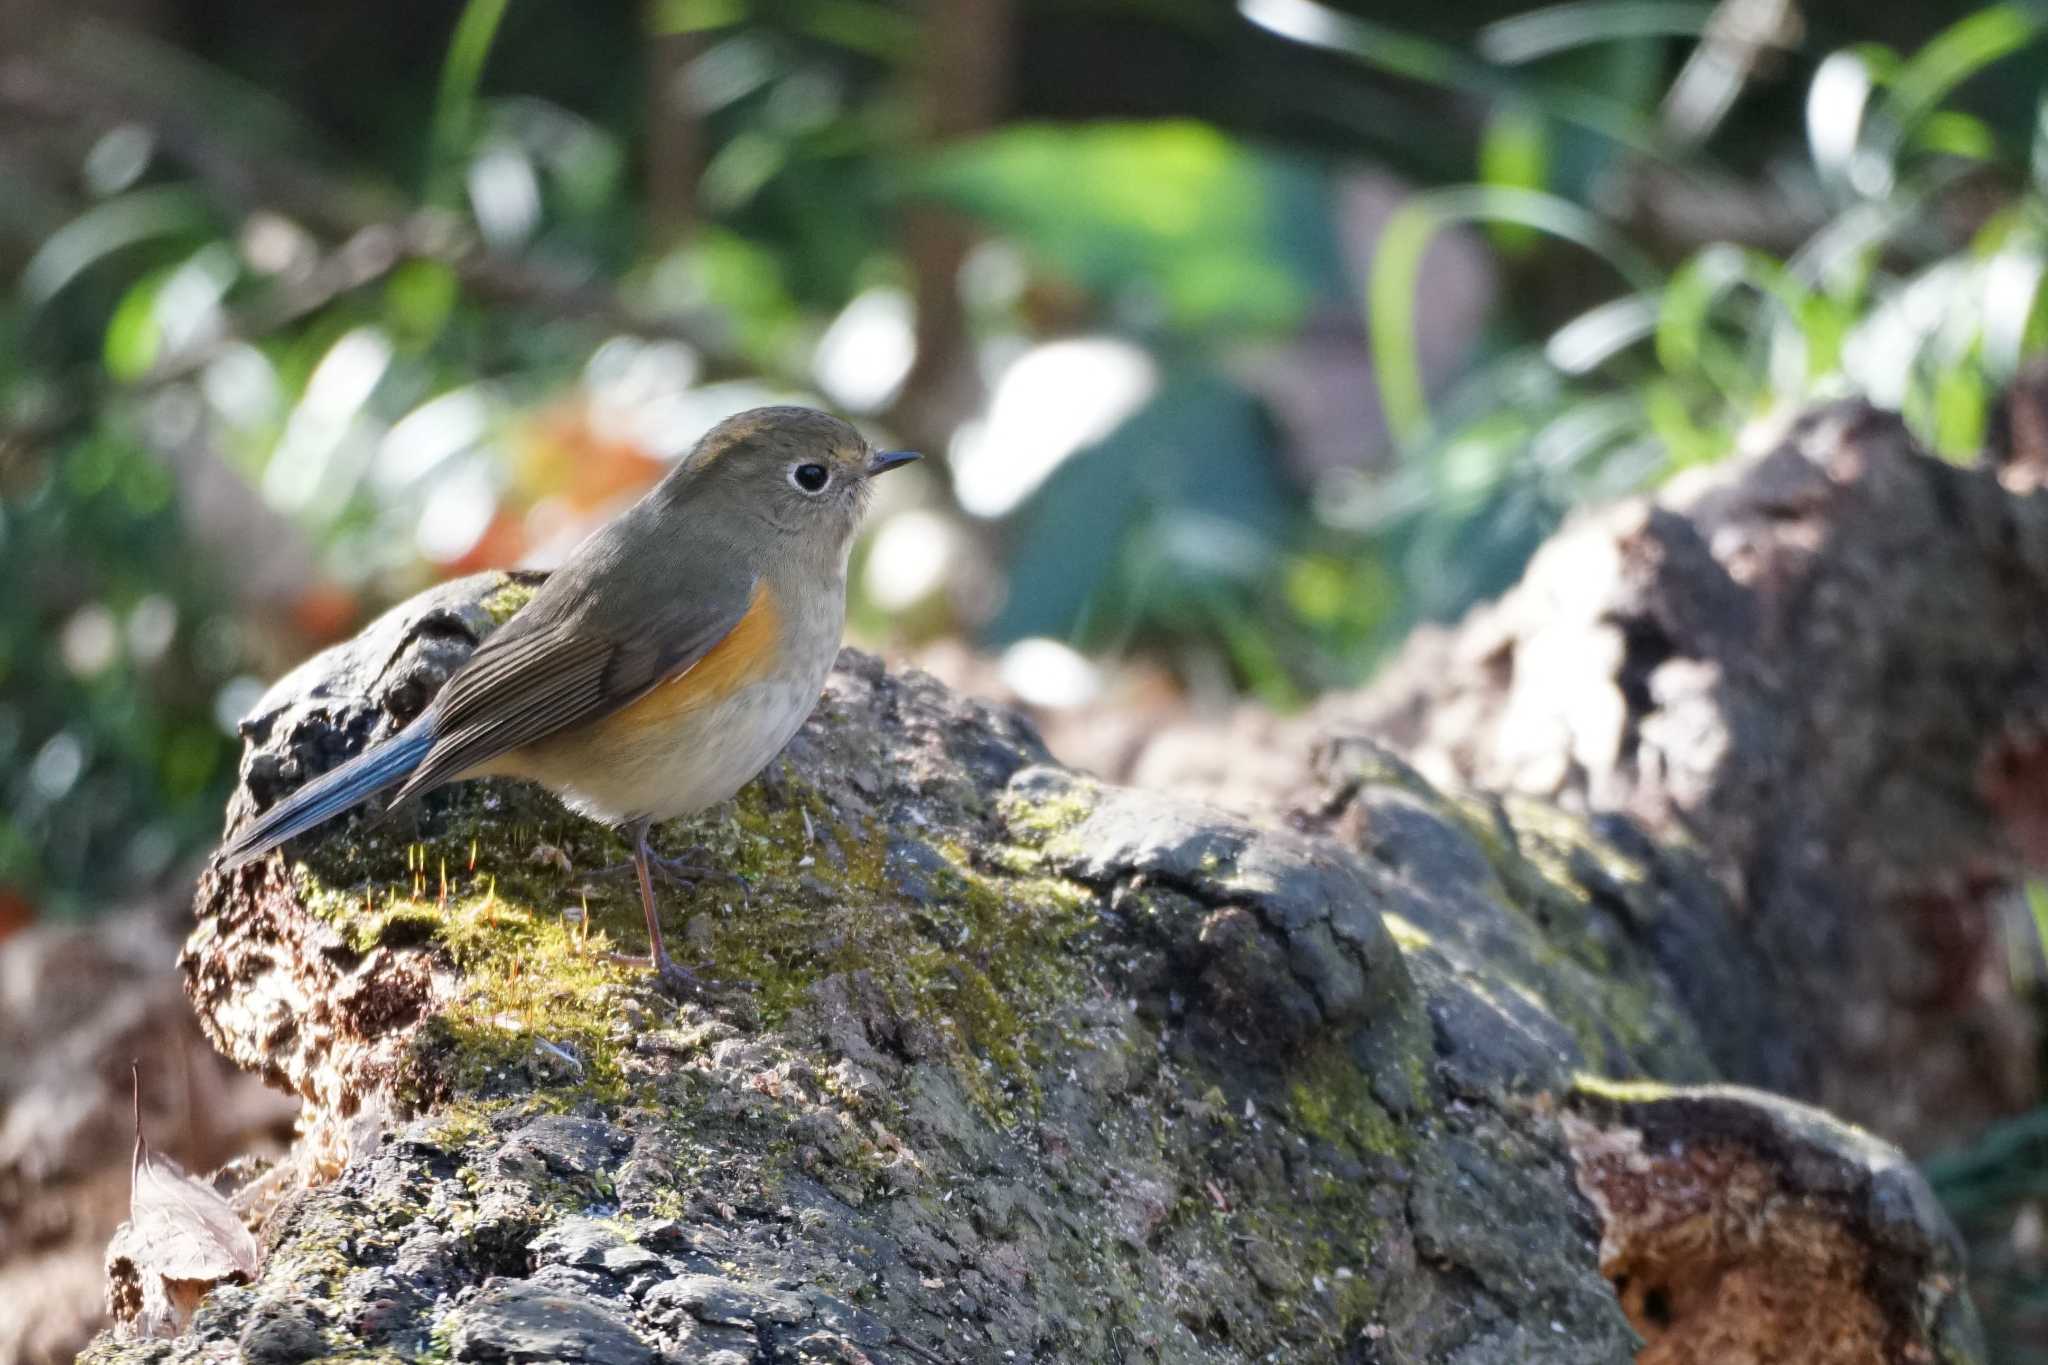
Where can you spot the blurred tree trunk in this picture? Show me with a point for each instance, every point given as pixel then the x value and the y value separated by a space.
pixel 675 138
pixel 962 87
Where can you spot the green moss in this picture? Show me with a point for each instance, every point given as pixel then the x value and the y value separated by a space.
pixel 1309 1245
pixel 1407 936
pixel 528 1002
pixel 1599 989
pixel 1549 841
pixel 1568 964
pixel 982 960
pixel 1487 827
pixel 1620 1092
pixel 1036 820
pixel 504 603
pixel 317 1256
pixel 1330 1097
pixel 461 1123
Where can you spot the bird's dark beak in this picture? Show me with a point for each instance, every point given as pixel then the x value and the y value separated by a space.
pixel 886 460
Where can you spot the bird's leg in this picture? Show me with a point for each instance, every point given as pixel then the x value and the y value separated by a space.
pixel 672 974
pixel 683 870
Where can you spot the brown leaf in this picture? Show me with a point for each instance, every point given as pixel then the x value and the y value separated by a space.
pixel 181 1239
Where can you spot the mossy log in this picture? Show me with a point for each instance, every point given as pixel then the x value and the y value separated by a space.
pixel 1033 1068
pixel 1824 667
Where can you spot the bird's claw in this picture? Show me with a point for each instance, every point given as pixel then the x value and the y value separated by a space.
pixel 680 872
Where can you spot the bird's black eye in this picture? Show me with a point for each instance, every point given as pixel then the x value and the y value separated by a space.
pixel 810 478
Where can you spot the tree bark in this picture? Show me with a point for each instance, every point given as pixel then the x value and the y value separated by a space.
pixel 1032 1067
pixel 1827 669
pixel 1821 668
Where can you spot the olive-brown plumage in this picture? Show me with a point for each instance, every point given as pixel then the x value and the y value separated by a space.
pixel 665 663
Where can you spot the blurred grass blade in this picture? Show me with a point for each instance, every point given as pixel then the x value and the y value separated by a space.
pixel 864 26
pixel 2012 291
pixel 1725 61
pixel 455 103
pixel 108 227
pixel 1515 153
pixel 1585 430
pixel 2037 152
pixel 1397 271
pixel 1560 28
pixel 1839 257
pixel 1596 336
pixel 1836 102
pixel 1399 53
pixel 1686 339
pixel 1956 54
pixel 694 16
pixel 1998 1156
pixel 1391 50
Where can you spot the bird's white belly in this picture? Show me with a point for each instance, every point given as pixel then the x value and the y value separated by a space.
pixel 698 760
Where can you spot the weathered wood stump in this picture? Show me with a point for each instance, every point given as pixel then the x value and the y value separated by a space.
pixel 1041 1068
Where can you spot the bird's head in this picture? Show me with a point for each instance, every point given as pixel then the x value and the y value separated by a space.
pixel 800 472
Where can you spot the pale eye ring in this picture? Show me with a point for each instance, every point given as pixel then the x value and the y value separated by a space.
pixel 809 478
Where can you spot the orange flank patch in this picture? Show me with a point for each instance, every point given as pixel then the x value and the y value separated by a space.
pixel 747 654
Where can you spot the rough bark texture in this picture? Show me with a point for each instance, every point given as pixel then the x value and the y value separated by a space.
pixel 1035 1068
pixel 1823 668
pixel 1827 668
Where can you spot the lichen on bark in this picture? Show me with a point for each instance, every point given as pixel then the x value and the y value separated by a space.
pixel 1033 1067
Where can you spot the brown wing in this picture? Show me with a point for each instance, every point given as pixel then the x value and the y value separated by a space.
pixel 562 670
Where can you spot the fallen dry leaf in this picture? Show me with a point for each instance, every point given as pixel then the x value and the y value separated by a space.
pixel 181 1239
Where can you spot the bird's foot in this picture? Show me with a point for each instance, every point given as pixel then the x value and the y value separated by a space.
pixel 677 979
pixel 683 870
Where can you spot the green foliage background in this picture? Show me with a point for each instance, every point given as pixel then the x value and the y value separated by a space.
pixel 1696 218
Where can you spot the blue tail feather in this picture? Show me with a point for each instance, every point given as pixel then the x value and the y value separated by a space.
pixel 332 793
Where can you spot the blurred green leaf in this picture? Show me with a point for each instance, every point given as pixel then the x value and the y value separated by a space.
pixel 1956 54
pixel 1180 502
pixel 1514 154
pixel 455 122
pixel 1204 225
pixel 419 298
pixel 1552 29
pixel 866 26
pixel 1690 336
pixel 695 16
pixel 1402 53
pixel 108 228
pixel 1688 441
pixel 1952 133
pixel 1391 294
pixel 1962 405
pixel 132 333
pixel 740 168
pixel 745 282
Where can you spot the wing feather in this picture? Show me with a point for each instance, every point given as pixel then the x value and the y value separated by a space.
pixel 555 669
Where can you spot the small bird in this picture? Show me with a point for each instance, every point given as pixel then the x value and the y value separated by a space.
pixel 663 665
